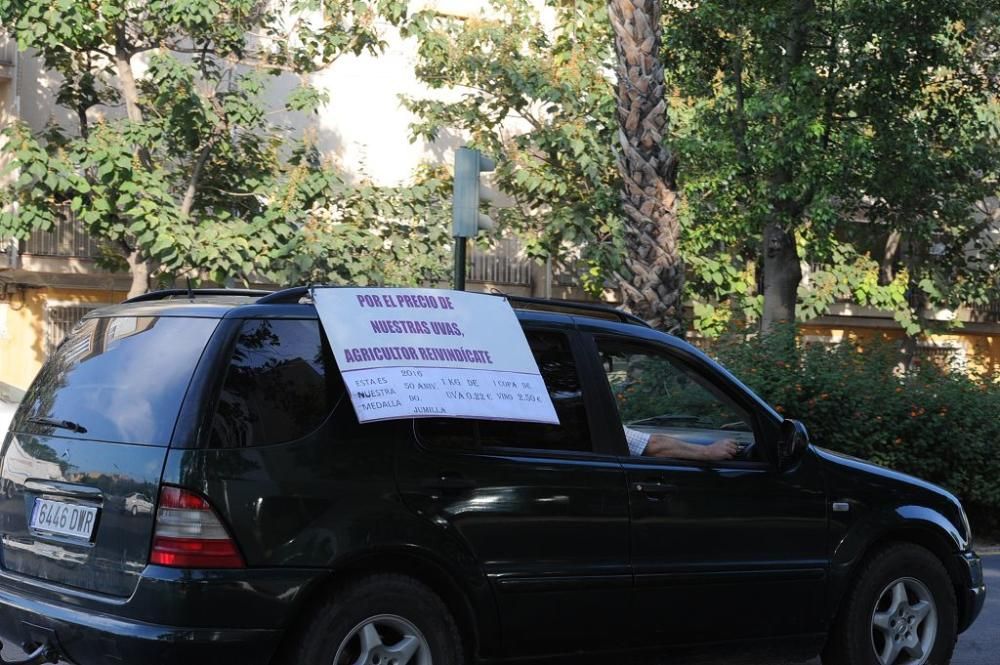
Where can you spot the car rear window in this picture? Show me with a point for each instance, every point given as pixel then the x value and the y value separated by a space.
pixel 281 384
pixel 122 379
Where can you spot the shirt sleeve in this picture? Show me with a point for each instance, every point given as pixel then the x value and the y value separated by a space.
pixel 636 440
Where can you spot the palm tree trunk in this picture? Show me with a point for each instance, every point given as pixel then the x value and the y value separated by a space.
pixel 652 287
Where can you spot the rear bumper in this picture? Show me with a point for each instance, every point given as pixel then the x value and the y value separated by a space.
pixel 973 592
pixel 186 617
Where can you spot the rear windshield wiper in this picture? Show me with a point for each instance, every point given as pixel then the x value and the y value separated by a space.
pixel 61 424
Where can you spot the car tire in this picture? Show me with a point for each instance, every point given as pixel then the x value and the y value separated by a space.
pixel 900 610
pixel 395 618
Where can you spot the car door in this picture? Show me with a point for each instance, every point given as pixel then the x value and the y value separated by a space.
pixel 543 511
pixel 720 550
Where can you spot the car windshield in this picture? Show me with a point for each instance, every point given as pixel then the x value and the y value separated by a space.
pixel 118 379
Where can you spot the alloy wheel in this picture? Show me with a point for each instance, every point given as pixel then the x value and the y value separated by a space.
pixel 904 623
pixel 385 639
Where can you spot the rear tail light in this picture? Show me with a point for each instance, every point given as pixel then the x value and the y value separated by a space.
pixel 189 534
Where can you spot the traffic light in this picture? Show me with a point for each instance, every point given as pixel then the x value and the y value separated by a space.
pixel 466 219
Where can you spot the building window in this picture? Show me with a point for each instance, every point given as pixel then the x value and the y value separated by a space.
pixel 60 320
pixel 946 355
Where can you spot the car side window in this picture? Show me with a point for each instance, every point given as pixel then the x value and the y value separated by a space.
pixel 281 384
pixel 555 362
pixel 657 394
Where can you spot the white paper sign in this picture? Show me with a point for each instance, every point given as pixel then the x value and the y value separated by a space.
pixel 412 353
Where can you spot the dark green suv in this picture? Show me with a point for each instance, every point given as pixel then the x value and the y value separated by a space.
pixel 190 484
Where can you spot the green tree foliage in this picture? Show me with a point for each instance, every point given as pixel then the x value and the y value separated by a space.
pixel 884 127
pixel 200 175
pixel 847 133
pixel 533 89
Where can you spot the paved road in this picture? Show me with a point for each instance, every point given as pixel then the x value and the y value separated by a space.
pixel 981 643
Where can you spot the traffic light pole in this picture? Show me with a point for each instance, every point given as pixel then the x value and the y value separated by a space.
pixel 466 220
pixel 460 245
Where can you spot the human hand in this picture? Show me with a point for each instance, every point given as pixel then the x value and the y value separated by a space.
pixel 722 449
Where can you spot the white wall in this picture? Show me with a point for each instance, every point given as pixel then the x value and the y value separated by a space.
pixel 364 127
pixel 6 414
pixel 8 93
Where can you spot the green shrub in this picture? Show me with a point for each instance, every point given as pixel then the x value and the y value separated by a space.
pixel 942 426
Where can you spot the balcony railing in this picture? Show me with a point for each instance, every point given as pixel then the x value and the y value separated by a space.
pixel 68 239
pixel 987 312
pixel 503 264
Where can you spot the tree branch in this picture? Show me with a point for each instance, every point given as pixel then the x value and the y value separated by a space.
pixel 830 100
pixel 740 121
pixel 795 41
pixel 233 194
pixel 130 91
pixel 192 188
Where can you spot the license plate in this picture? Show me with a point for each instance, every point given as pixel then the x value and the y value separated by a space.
pixel 65 519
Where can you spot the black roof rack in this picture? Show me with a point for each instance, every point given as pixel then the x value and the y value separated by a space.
pixel 184 293
pixel 295 293
pixel 546 304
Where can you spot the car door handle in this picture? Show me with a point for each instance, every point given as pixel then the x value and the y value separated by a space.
pixel 449 481
pixel 654 488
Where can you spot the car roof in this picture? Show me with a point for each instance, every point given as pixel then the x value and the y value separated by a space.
pixel 214 307
pixel 219 303
pixel 285 304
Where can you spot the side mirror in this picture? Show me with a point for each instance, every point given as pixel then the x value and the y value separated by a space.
pixel 794 440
